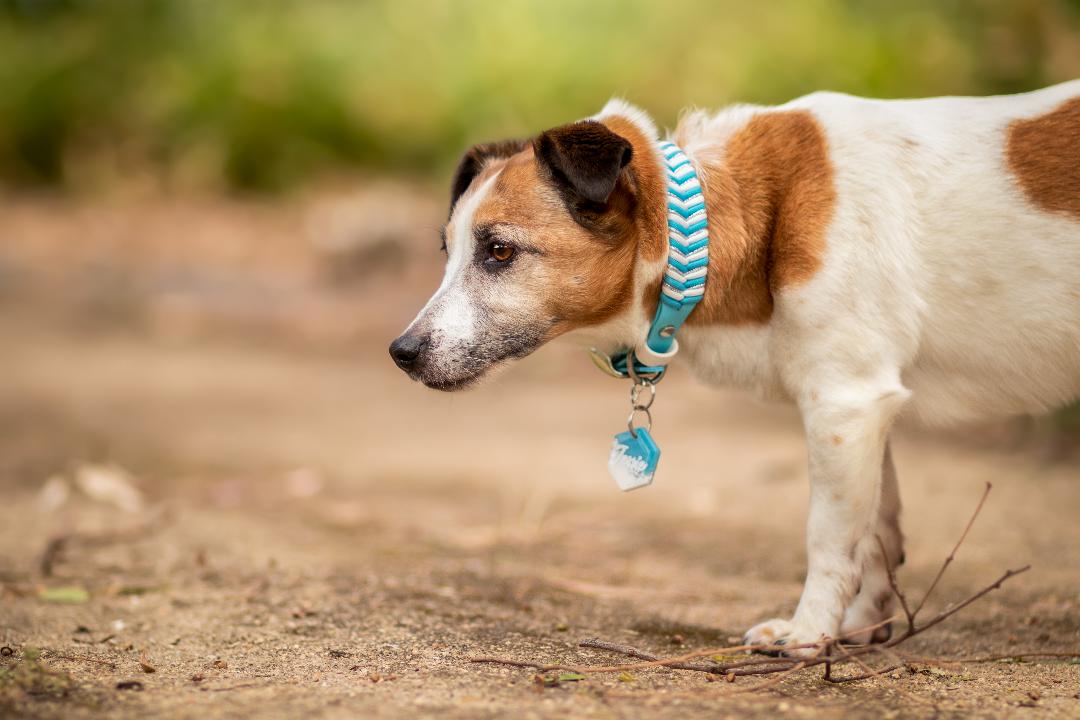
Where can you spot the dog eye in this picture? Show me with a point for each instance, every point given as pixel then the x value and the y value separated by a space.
pixel 500 252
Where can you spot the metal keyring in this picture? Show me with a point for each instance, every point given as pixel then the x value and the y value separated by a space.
pixel 630 420
pixel 631 361
pixel 635 394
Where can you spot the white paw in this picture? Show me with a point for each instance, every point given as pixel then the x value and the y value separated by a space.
pixel 863 619
pixel 780 632
pixel 859 635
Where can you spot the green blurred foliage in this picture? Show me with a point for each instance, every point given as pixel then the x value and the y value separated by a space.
pixel 265 94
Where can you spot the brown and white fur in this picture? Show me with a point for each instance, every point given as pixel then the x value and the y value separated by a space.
pixel 868 258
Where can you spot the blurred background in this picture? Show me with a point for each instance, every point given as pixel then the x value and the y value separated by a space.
pixel 269 95
pixel 177 165
pixel 215 215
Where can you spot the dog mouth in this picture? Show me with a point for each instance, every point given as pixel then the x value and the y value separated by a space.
pixel 451 385
pixel 445 380
pixel 459 367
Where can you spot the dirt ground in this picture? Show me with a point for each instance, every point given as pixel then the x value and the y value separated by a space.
pixel 210 470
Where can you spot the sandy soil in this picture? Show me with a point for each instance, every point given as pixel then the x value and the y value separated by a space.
pixel 315 536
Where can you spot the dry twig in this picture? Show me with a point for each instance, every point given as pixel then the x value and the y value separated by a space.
pixel 952 555
pixel 829 652
pixel 53 655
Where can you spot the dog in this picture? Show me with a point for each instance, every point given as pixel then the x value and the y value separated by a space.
pixel 867 259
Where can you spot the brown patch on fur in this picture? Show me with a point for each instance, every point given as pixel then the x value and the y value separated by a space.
pixel 1044 155
pixel 770 197
pixel 653 288
pixel 473 161
pixel 577 278
pixel 649 183
pixel 582 277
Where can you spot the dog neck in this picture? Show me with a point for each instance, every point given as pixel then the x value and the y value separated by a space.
pixel 768 191
pixel 769 195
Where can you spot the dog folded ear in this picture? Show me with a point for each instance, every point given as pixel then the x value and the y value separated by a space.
pixel 584 159
pixel 474 160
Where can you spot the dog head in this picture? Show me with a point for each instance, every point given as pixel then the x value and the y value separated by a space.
pixel 544 237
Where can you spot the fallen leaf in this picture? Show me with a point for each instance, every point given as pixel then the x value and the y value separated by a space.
pixel 145 664
pixel 626 677
pixel 70 594
pixel 543 681
pixel 726 658
pixel 570 677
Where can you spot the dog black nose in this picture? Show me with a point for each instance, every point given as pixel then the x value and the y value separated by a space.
pixel 406 349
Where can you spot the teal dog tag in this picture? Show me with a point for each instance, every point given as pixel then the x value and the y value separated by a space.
pixel 633 459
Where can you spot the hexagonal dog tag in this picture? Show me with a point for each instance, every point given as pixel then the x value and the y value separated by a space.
pixel 633 459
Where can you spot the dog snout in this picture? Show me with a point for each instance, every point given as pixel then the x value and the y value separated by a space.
pixel 407 350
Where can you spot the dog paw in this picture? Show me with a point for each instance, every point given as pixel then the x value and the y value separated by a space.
pixel 865 618
pixel 864 628
pixel 784 636
pixel 861 636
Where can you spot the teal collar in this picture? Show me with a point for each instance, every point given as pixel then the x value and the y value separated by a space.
pixel 684 276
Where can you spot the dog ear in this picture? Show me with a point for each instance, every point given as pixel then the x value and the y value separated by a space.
pixel 474 160
pixel 584 159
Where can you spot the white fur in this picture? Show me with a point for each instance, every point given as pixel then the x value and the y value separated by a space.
pixel 944 295
pixel 452 315
pixel 617 107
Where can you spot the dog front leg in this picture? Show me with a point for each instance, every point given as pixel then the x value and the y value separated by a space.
pixel 846 434
pixel 875 602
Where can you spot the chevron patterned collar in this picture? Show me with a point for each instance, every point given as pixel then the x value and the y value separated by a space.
pixel 634 453
pixel 684 276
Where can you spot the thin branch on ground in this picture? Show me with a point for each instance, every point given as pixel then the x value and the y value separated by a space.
pixel 829 652
pixel 992 658
pixel 952 555
pixel 53 655
pixel 908 615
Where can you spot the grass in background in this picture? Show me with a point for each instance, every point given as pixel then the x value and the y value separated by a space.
pixel 267 94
